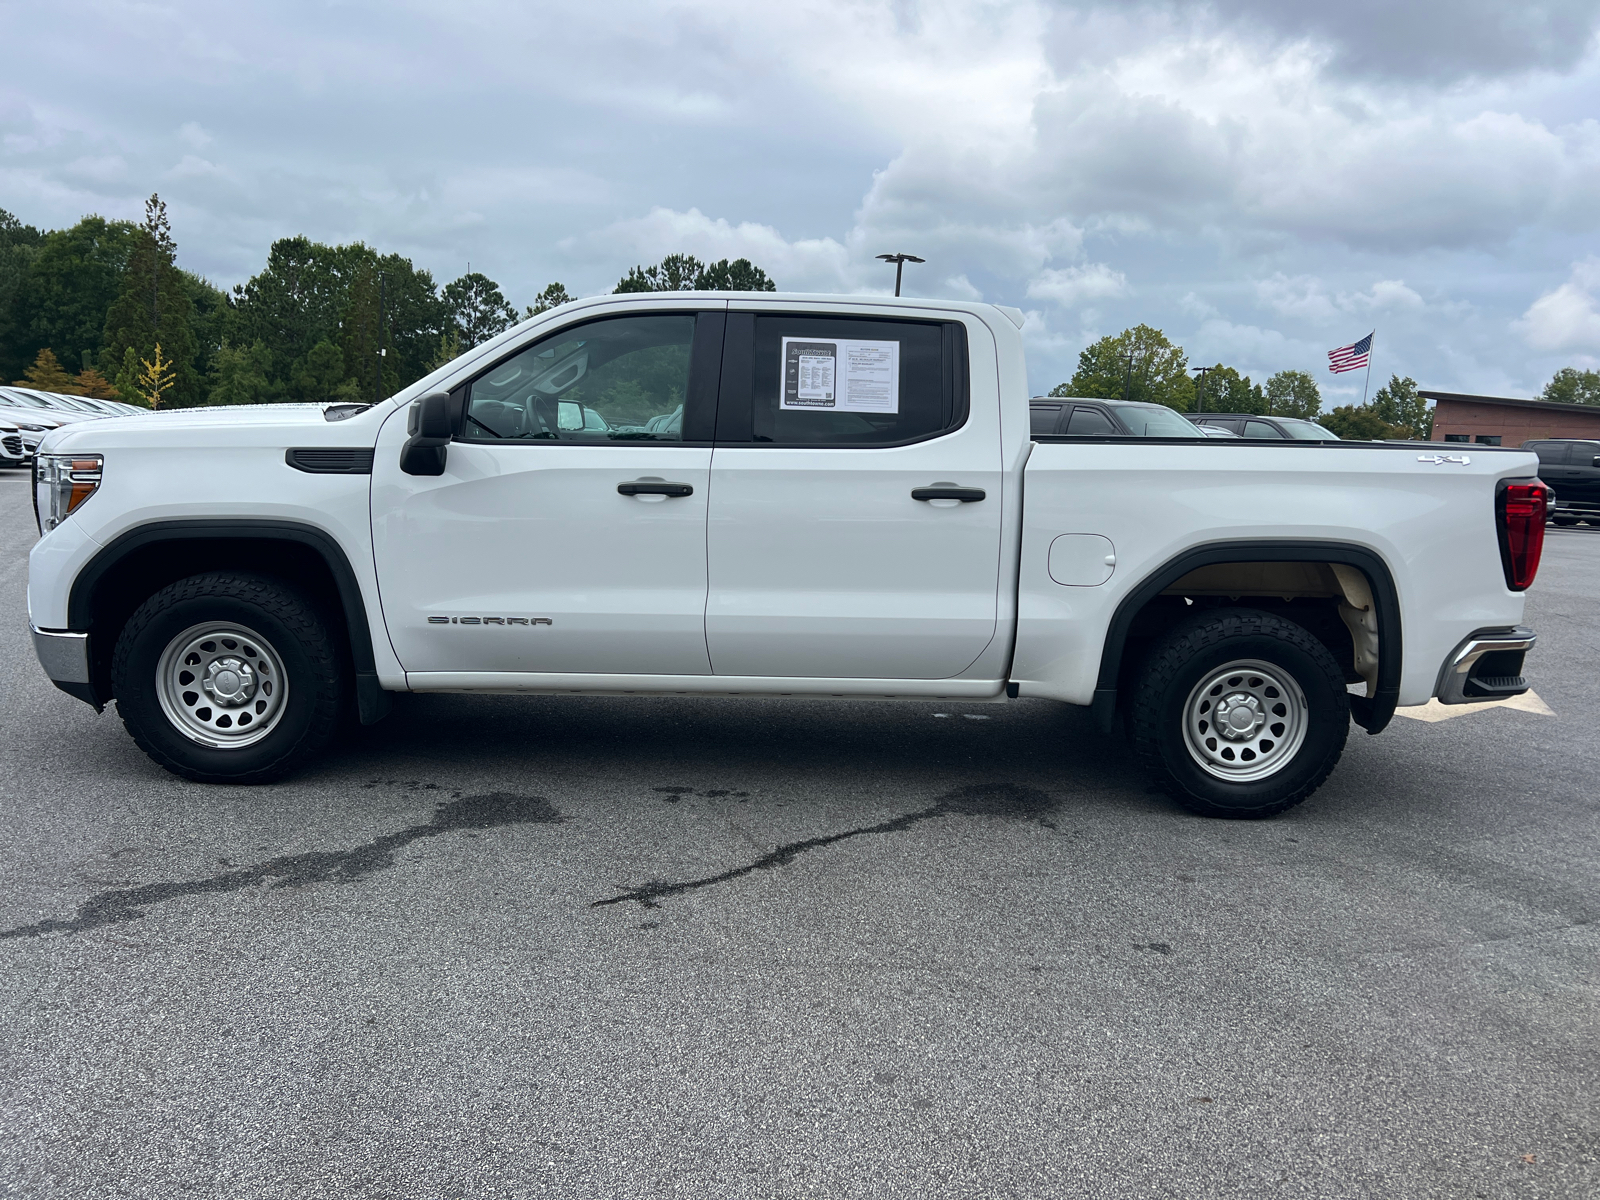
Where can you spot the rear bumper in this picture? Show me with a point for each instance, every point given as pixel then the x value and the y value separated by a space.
pixel 1487 665
pixel 65 658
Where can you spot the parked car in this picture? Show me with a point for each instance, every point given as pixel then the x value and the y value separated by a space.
pixel 1571 467
pixel 1075 416
pixel 834 497
pixel 1249 425
pixel 39 409
pixel 13 453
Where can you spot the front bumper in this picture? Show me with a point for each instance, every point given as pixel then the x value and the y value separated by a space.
pixel 1486 666
pixel 65 658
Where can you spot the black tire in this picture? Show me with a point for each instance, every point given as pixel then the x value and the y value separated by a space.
pixel 312 692
pixel 1199 651
pixel 1564 522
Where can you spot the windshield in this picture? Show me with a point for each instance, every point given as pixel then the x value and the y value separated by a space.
pixel 1307 431
pixel 1156 420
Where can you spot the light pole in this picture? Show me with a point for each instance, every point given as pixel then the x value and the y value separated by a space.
pixel 1127 382
pixel 1200 387
pixel 900 261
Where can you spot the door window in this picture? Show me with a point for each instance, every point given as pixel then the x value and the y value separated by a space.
pixel 1260 429
pixel 841 381
pixel 1089 422
pixel 622 379
pixel 1550 453
pixel 1042 418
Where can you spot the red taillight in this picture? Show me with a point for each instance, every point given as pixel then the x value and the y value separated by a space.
pixel 1521 513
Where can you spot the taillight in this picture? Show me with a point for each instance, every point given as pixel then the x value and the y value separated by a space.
pixel 1520 514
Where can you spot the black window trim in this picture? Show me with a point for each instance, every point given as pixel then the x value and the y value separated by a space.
pixel 736 397
pixel 700 403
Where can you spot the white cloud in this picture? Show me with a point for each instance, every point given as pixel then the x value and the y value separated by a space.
pixel 1567 318
pixel 1072 286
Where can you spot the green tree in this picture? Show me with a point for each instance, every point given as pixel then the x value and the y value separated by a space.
pixel 1139 363
pixel 1397 404
pixel 154 308
pixel 553 296
pixel 740 275
pixel 1225 390
pixel 1572 386
pixel 1294 394
pixel 478 308
pixel 686 273
pixel 1359 423
pixel 241 375
pixel 72 277
pixel 449 350
pixel 19 244
pixel 319 376
pixel 309 292
pixel 46 374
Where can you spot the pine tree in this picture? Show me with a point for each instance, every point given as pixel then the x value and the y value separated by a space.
pixel 155 307
pixel 46 374
pixel 93 384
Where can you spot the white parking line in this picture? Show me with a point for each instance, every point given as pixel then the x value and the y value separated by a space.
pixel 1434 711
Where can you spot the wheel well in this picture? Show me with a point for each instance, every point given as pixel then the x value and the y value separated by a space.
pixel 1307 593
pixel 144 570
pixel 1343 595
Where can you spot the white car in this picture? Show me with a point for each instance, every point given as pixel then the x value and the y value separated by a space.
pixel 781 495
pixel 13 451
pixel 15 400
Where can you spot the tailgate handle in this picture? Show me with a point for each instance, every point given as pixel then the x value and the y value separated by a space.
pixel 652 487
pixel 948 491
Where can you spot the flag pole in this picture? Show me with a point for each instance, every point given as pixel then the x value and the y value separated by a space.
pixel 1368 381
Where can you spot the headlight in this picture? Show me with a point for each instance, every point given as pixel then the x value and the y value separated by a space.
pixel 32 428
pixel 62 482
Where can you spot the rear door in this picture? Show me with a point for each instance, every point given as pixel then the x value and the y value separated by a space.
pixel 855 517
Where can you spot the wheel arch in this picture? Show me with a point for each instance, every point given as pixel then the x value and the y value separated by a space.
pixel 139 562
pixel 1372 713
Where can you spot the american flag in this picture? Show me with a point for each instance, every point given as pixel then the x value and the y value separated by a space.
pixel 1352 357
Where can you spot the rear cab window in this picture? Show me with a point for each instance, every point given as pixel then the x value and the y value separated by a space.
pixel 811 379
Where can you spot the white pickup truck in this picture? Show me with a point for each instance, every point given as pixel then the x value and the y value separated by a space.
pixel 772 495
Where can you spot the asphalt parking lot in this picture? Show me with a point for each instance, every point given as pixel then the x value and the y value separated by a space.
pixel 519 947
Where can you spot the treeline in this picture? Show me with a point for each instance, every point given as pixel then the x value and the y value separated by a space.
pixel 103 309
pixel 1143 364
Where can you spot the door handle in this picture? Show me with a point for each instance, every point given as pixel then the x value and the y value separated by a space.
pixel 654 487
pixel 948 491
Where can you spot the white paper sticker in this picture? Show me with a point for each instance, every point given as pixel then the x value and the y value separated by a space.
pixel 825 375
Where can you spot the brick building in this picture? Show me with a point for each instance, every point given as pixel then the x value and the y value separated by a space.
pixel 1497 421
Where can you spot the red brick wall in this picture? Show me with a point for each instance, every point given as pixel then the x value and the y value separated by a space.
pixel 1514 425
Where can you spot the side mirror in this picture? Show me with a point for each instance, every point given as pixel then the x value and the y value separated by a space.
pixel 431 425
pixel 1597 460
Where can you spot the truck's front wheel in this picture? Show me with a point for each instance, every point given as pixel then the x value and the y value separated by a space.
pixel 1240 714
pixel 227 678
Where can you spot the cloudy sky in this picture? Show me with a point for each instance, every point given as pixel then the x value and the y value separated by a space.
pixel 1262 179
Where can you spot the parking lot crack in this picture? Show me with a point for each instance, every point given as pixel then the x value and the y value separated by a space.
pixel 489 811
pixel 983 800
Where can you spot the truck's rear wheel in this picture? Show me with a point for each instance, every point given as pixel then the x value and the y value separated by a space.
pixel 227 678
pixel 1240 714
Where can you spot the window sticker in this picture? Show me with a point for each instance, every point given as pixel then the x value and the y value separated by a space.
pixel 825 375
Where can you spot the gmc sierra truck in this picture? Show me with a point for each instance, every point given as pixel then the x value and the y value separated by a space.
pixel 772 495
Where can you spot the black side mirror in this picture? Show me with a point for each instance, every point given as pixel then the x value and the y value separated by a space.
pixel 1597 460
pixel 431 424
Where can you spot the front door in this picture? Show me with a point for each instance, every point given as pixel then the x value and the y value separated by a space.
pixel 823 561
pixel 567 533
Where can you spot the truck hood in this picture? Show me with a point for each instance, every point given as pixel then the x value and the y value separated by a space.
pixel 265 425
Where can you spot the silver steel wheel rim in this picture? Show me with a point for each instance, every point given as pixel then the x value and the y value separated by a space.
pixel 1245 721
pixel 222 685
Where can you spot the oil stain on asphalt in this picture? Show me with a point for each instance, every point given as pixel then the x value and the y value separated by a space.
pixel 1010 801
pixel 490 811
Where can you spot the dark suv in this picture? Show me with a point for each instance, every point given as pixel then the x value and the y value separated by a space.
pixel 1078 416
pixel 1572 469
pixel 1249 425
